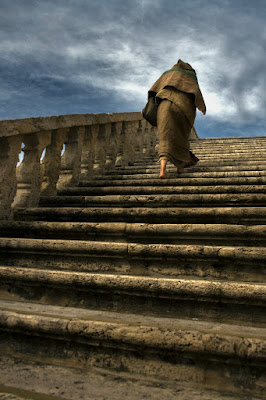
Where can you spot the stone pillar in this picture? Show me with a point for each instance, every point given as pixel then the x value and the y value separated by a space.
pixel 146 133
pixel 153 140
pixel 120 158
pixel 131 138
pixel 101 149
pixel 139 140
pixel 9 152
pixel 113 147
pixel 71 160
pixel 28 173
pixel 51 165
pixel 88 151
pixel 126 152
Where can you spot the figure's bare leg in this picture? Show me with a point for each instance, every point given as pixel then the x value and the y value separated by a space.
pixel 163 172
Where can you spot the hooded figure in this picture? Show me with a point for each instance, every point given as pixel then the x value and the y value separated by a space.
pixel 178 95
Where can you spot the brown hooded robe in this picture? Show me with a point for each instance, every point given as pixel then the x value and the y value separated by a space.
pixel 178 94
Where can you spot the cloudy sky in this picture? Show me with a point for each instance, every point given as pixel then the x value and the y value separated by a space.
pixel 94 56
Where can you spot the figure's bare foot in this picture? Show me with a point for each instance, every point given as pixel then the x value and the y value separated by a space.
pixel 180 170
pixel 163 174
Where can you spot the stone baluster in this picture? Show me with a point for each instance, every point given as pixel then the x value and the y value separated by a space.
pixel 146 133
pixel 139 140
pixel 156 148
pixel 120 158
pixel 88 151
pixel 9 151
pixel 101 149
pixel 153 141
pixel 132 131
pixel 126 152
pixel 71 159
pixel 28 173
pixel 113 147
pixel 51 165
pixel 149 140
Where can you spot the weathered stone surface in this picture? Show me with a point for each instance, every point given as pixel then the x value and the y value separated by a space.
pixel 30 125
pixel 133 273
pixel 233 215
pixel 159 200
pixel 216 301
pixel 51 381
pixel 138 232
pixel 141 190
pixel 96 336
pixel 74 146
pixel 134 250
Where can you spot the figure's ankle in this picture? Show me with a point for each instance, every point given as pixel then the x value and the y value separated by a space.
pixel 163 173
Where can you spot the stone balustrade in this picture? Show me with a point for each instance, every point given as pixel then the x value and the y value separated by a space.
pixel 76 147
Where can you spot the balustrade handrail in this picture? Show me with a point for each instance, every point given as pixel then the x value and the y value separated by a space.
pixel 24 126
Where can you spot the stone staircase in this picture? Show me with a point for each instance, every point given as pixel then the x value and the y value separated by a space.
pixel 163 278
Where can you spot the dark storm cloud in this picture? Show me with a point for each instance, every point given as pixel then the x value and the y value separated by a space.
pixel 60 57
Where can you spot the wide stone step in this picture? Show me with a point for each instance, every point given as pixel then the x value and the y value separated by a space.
pixel 228 140
pixel 174 179
pixel 146 190
pixel 92 383
pixel 172 175
pixel 196 352
pixel 239 235
pixel 177 182
pixel 201 167
pixel 232 150
pixel 158 200
pixel 229 150
pixel 225 262
pixel 206 215
pixel 189 173
pixel 236 158
pixel 231 155
pixel 218 301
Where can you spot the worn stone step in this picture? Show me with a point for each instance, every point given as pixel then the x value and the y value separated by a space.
pixel 223 262
pixel 211 215
pixel 172 174
pixel 230 150
pixel 233 150
pixel 153 179
pixel 196 352
pixel 158 200
pixel 201 167
pixel 146 190
pixel 172 183
pixel 240 235
pixel 227 140
pixel 203 172
pixel 230 155
pixel 154 162
pixel 214 300
pixel 92 383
